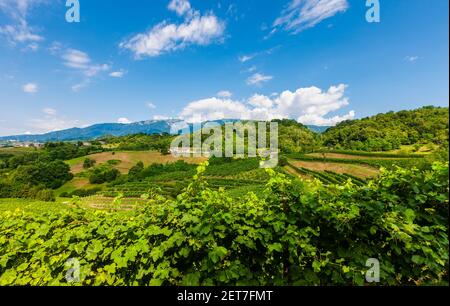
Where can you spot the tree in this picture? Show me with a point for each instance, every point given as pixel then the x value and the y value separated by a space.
pixel 88 163
pixel 136 170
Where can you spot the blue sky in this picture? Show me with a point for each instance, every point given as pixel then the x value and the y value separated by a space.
pixel 316 61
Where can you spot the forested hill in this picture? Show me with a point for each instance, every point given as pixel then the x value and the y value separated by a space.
pixel 389 131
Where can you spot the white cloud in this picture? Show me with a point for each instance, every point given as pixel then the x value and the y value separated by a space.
pixel 245 58
pixel 19 31
pixel 52 122
pixel 260 101
pixel 30 88
pixel 79 60
pixel 167 37
pixel 123 120
pixel 303 14
pixel 79 86
pixel 258 78
pixel 160 117
pixel 49 111
pixel 55 48
pixel 150 105
pixel 411 59
pixel 251 69
pixel 214 109
pixel 117 74
pixel 224 94
pixel 181 7
pixel 31 47
pixel 308 105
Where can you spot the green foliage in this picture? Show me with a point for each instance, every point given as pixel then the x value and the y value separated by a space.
pixel 51 175
pixel 67 150
pixel 88 163
pixel 81 193
pixel 140 142
pixel 296 138
pixel 230 166
pixel 136 170
pixel 45 195
pixel 389 131
pixel 372 154
pixel 103 174
pixel 297 233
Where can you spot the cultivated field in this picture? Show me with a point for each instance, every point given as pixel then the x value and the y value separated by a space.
pixel 129 159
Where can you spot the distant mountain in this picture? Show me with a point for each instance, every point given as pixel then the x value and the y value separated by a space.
pixel 171 126
pixel 98 130
pixel 318 129
pixel 119 129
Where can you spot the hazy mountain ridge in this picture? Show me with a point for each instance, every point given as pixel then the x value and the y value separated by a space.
pixel 115 129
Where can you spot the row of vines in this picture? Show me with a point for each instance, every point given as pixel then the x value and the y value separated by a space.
pixel 293 233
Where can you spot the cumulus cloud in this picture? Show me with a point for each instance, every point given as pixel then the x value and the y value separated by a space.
pixel 167 37
pixel 123 121
pixel 308 105
pixel 300 15
pixel 19 31
pixel 260 101
pixel 30 88
pixel 214 109
pixel 224 94
pixel 258 79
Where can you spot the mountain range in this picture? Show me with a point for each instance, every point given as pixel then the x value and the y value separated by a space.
pixel 114 129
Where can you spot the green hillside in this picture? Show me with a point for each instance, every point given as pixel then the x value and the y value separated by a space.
pixel 385 132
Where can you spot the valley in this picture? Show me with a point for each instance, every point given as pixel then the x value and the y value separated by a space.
pixel 124 200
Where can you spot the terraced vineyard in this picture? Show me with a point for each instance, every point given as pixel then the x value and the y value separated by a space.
pixel 327 177
pixel 239 176
pixel 233 174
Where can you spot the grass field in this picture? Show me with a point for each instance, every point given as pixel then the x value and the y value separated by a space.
pixel 74 184
pixel 129 159
pixel 34 206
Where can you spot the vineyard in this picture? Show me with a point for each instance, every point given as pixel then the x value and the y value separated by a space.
pixel 328 177
pixel 294 233
pixel 229 176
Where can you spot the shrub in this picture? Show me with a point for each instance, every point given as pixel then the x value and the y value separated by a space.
pixel 46 195
pixel 88 163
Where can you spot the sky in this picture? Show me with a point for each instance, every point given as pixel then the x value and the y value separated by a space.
pixel 316 61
